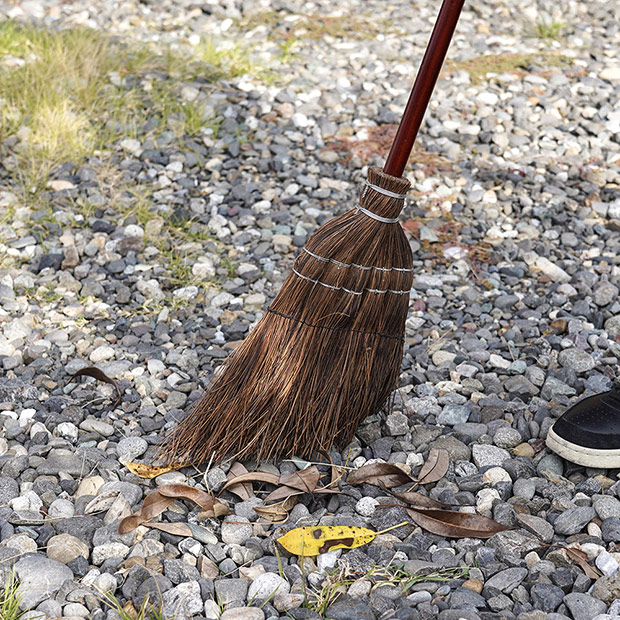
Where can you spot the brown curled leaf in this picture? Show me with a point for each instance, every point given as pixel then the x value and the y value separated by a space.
pixel 452 524
pixel 385 475
pixel 579 557
pixel 277 513
pixel 211 507
pixel 305 481
pixel 184 491
pixel 282 493
pixel 97 373
pixel 176 529
pixel 435 467
pixel 253 476
pixel 243 490
pixel 154 504
pixel 217 510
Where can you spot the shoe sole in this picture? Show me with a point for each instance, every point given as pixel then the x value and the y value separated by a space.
pixel 589 457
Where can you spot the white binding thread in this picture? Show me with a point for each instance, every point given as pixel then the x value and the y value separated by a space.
pixel 347 265
pixel 374 216
pixel 346 290
pixel 385 192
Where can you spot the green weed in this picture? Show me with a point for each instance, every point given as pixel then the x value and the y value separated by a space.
pixel 544 29
pixel 480 67
pixel 10 597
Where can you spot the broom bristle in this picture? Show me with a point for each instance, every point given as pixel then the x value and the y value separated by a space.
pixel 324 356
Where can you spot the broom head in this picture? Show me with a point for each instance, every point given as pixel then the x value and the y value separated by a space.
pixel 325 355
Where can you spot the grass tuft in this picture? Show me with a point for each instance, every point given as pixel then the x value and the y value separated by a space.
pixel 337 582
pixel 66 93
pixel 481 67
pixel 128 612
pixel 10 597
pixel 547 30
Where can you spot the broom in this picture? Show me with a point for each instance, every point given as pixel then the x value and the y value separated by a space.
pixel 328 351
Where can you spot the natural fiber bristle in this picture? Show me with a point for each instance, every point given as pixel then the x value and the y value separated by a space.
pixel 322 358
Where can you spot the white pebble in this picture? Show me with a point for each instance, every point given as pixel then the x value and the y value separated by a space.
pixel 366 506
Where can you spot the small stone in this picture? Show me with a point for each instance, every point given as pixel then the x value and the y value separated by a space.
pixel 40 578
pixel 507 438
pixel 264 586
pixel 576 359
pixel 524 449
pixel 101 354
pixel 346 610
pixel 89 486
pixel 551 463
pixel 61 509
pixel 397 424
pixel 130 448
pixel 546 597
pixel 505 581
pixel 573 520
pixel 106 551
pixel 65 548
pixel 366 506
pixel 453 414
pixel 485 455
pixel 584 606
pixel 286 602
pixel 493 475
pixel 607 563
pixel 236 530
pixel 243 613
pixel 607 589
pixel 97 426
pixel 229 590
pixel 536 525
pixel 9 489
pixel 182 601
pixel 557 274
pixel 473 584
pixel 606 506
pixel 611 73
pixel 21 543
pixel 497 361
pixel 513 542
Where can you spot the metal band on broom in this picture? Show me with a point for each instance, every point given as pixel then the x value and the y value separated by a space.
pixel 328 351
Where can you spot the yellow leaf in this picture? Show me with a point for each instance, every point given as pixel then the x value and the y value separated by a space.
pixel 323 538
pixel 151 471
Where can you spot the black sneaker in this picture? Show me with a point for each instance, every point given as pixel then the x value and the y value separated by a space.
pixel 588 433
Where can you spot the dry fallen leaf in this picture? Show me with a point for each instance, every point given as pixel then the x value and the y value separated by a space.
pixel 253 476
pixel 435 467
pixel 150 471
pixel 313 540
pixel 305 480
pixel 295 484
pixel 96 373
pixel 452 524
pixel 579 557
pixel 176 529
pixel 154 504
pixel 277 513
pixel 243 490
pixel 384 475
pixel 418 499
pixel 211 507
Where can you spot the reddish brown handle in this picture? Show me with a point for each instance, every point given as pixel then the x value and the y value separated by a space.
pixel 423 87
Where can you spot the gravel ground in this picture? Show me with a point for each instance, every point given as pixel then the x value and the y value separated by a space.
pixel 514 217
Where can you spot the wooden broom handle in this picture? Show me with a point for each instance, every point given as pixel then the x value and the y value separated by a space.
pixel 423 87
